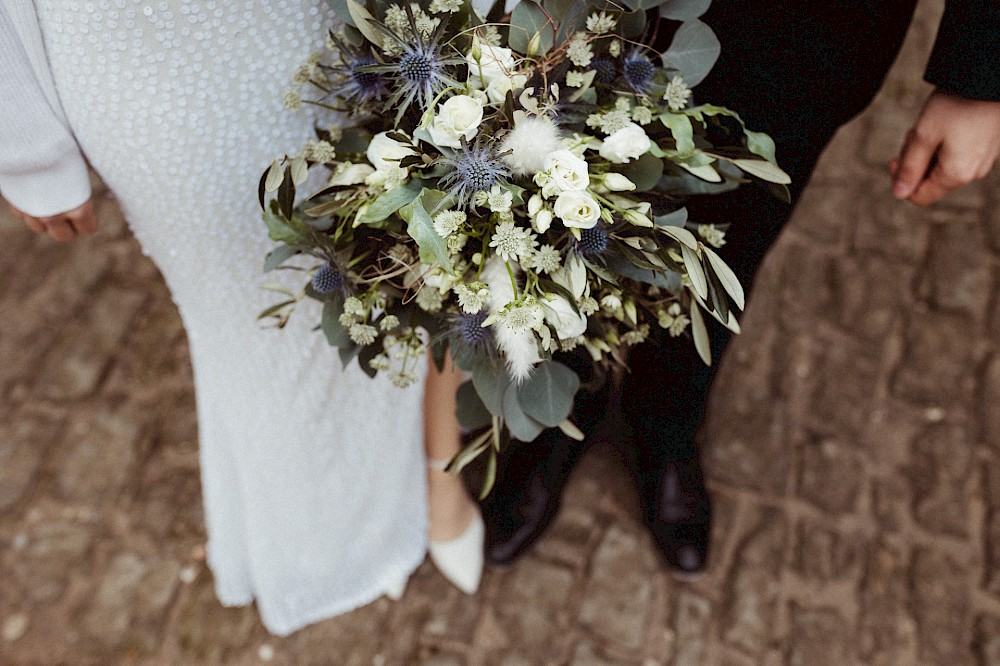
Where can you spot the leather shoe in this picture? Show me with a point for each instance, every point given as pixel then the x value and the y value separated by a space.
pixel 678 514
pixel 527 495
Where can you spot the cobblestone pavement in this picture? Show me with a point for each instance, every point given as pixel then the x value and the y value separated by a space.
pixel 852 451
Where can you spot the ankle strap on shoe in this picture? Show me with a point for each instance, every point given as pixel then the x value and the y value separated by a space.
pixel 438 464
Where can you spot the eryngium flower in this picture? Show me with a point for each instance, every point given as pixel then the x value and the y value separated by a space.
pixel 328 279
pixel 474 168
pixel 353 80
pixel 606 68
pixel 593 241
pixel 638 71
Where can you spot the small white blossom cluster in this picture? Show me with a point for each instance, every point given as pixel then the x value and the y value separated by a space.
pixel 677 94
pixel 601 23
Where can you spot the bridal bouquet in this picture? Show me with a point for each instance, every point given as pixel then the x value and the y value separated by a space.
pixel 500 188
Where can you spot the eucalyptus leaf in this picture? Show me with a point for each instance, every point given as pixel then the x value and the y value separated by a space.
pixel 761 144
pixel 336 334
pixel 278 256
pixel 684 10
pixel 625 268
pixel 547 395
pixel 420 226
pixel 693 52
pixel 645 172
pixel 521 426
pixel 472 413
pixel 529 24
pixel 632 23
pixel 678 218
pixel 390 202
pixel 491 381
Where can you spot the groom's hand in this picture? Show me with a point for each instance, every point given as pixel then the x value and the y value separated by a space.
pixel 954 142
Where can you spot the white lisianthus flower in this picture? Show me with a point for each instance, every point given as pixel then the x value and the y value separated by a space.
pixel 493 62
pixel 566 172
pixel 616 182
pixel 348 173
pixel 497 89
pixel 542 221
pixel 560 315
pixel 626 144
pixel 460 116
pixel 384 152
pixel 577 209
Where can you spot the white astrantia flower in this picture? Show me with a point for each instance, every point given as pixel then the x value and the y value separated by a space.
pixel 362 334
pixel 460 116
pixel 354 307
pixel 579 50
pixel 379 363
pixel 577 209
pixel 673 320
pixel 642 115
pixel 387 178
pixel 546 259
pixel 472 297
pixel 601 23
pixel 625 145
pixel 575 78
pixel 403 378
pixel 527 145
pixel 610 122
pixel 445 6
pixel 499 199
pixel 712 235
pixel 448 222
pixel 677 94
pixel 636 336
pixel 389 322
pixel 560 315
pixel 430 299
pixel 615 48
pixel 384 152
pixel 524 317
pixel 512 242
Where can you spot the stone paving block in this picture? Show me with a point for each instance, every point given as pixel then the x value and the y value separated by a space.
pixel 831 475
pixel 826 212
pixel 617 601
pixel 991 217
pixel 209 632
pixel 891 502
pixel 753 593
pixel 940 474
pixel 989 404
pixel 843 399
pixel 935 366
pixel 97 457
pixel 23 444
pixel 130 605
pixel 53 550
pixel 891 228
pixel 805 291
pixel 819 637
pixel 869 291
pixel 941 607
pixel 444 611
pixel 991 536
pixel 586 654
pixel 887 632
pixel 692 628
pixel 957 276
pixel 826 555
pixel 352 639
pixel 748 447
pixel 533 608
pixel 172 507
pixel 987 640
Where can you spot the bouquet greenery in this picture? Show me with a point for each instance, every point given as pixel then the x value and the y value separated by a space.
pixel 500 188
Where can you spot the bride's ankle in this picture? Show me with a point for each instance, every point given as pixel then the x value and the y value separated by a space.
pixel 451 510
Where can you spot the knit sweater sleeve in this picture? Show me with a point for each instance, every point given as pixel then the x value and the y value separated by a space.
pixel 42 171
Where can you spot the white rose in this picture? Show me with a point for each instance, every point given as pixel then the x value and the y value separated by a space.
pixel 498 88
pixel 384 152
pixel 459 116
pixel 626 144
pixel 494 62
pixel 577 209
pixel 567 322
pixel 566 171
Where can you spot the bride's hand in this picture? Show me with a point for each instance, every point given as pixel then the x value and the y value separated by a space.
pixel 63 227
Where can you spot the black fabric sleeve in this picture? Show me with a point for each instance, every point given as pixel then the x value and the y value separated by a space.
pixel 966 56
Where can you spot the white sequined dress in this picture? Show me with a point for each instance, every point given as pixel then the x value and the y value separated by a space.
pixel 313 477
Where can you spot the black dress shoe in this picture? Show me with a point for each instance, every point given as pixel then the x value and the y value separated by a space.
pixel 527 495
pixel 678 514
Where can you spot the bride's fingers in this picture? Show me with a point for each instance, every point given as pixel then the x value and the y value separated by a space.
pixel 60 229
pixel 83 219
pixel 34 224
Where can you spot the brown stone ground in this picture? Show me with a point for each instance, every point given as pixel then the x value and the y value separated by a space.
pixel 852 449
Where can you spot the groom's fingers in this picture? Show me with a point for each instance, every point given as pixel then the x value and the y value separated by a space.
pixel 912 164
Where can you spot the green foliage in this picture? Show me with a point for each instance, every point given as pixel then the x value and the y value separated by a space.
pixel 547 396
pixel 530 28
pixel 693 52
pixel 420 227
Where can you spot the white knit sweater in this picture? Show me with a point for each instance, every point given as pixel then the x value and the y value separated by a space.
pixel 42 171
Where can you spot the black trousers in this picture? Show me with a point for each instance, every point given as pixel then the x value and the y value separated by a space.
pixel 798 70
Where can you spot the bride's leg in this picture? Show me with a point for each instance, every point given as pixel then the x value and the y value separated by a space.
pixel 451 509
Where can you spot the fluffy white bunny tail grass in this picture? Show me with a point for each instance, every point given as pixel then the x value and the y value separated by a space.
pixel 519 348
pixel 529 143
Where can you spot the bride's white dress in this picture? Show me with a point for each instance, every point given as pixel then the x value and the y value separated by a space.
pixel 313 477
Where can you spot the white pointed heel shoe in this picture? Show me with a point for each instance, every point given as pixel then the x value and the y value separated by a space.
pixel 460 560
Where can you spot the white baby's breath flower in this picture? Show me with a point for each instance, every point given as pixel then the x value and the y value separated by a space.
pixel 292 100
pixel 579 50
pixel 362 334
pixel 601 23
pixel 403 378
pixel 389 322
pixel 512 242
pixel 528 143
pixel 636 336
pixel 448 222
pixel 712 236
pixel 677 94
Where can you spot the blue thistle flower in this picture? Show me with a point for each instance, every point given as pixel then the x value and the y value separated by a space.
pixel 606 68
pixel 469 329
pixel 593 241
pixel 354 82
pixel 474 168
pixel 329 279
pixel 638 72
